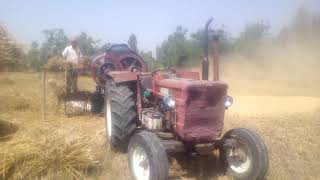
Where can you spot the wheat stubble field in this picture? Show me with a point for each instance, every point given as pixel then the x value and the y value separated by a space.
pixel 66 148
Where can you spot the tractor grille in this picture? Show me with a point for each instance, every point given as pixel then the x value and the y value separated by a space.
pixel 201 116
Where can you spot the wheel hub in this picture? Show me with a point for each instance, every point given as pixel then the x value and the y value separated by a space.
pixel 140 164
pixel 238 159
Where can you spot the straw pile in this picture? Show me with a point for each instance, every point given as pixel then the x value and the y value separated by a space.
pixel 46 150
pixel 58 148
pixel 58 64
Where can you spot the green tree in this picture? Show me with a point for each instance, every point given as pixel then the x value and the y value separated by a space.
pixel 252 36
pixel 33 57
pixel 87 44
pixel 103 48
pixel 174 51
pixel 302 25
pixel 152 63
pixel 225 41
pixel 133 43
pixel 181 50
pixel 11 56
pixel 53 45
pixel 305 27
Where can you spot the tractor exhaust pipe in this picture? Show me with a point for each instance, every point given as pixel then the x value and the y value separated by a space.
pixel 205 61
pixel 215 54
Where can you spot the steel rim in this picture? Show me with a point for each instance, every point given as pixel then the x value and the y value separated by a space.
pixel 140 163
pixel 238 159
pixel 108 119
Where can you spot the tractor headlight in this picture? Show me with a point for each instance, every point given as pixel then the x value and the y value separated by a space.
pixel 228 102
pixel 169 101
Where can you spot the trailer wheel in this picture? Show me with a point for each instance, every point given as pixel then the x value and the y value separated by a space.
pixel 147 157
pixel 244 154
pixel 120 116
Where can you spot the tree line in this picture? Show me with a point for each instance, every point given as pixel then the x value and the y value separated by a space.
pixel 11 55
pixel 181 48
pixel 56 40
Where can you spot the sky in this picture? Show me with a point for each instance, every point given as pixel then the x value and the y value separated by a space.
pixel 151 21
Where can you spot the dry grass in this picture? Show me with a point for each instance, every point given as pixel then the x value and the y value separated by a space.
pixel 67 148
pixel 6 81
pixel 56 148
pixel 292 137
pixel 49 150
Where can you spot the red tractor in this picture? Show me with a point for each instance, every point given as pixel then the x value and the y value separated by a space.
pixel 153 114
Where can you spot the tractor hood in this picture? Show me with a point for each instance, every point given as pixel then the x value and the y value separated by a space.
pixel 199 107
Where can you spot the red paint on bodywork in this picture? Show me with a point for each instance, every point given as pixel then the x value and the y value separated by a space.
pixel 200 107
pixel 189 75
pixel 115 59
pixel 199 103
pixel 122 76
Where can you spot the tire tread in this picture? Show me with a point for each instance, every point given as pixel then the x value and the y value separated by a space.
pixel 124 115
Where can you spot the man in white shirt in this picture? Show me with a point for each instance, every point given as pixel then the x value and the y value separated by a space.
pixel 72 55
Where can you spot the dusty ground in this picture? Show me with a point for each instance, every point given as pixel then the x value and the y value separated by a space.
pixel 288 124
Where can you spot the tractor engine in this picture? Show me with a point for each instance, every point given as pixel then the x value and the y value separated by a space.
pixel 161 117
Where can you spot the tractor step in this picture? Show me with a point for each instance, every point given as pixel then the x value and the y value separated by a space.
pixel 163 135
pixel 173 146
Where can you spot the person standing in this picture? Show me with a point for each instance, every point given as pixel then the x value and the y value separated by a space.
pixel 72 55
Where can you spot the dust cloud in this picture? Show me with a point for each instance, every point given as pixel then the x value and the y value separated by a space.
pixel 290 70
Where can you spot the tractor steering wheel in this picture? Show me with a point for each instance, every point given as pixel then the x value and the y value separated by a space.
pixel 170 70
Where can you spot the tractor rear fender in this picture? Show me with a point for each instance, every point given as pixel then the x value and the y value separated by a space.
pixel 123 76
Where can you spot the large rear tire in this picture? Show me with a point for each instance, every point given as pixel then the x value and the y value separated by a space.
pixel 147 157
pixel 120 116
pixel 244 154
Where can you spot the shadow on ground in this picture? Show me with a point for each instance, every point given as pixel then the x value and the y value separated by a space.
pixel 199 167
pixel 6 130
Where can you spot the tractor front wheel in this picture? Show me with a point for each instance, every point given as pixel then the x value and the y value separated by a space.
pixel 244 154
pixel 147 157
